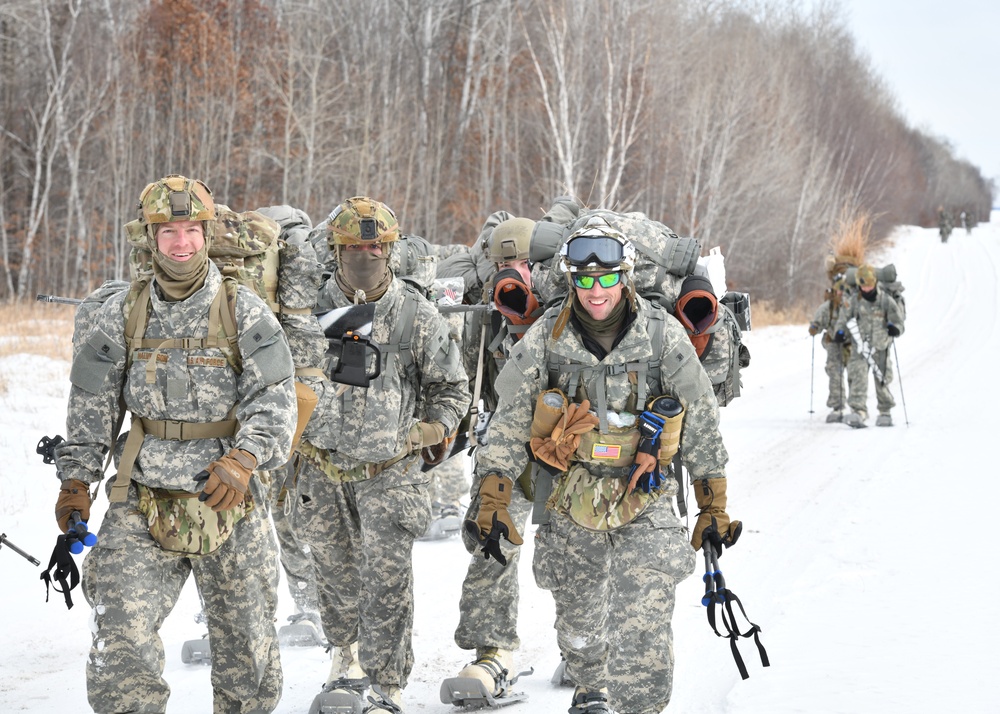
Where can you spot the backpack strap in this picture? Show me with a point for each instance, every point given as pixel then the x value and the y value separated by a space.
pixel 400 345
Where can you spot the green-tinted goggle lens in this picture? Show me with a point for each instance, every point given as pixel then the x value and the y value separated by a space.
pixel 586 282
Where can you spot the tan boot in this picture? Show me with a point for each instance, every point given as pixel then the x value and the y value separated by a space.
pixel 492 667
pixel 346 671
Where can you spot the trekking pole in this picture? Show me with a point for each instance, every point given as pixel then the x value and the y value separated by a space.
pixel 902 398
pixel 812 373
pixel 5 542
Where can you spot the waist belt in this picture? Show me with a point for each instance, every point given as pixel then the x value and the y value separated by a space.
pixel 172 430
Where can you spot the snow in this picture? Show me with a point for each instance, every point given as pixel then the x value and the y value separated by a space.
pixel 865 556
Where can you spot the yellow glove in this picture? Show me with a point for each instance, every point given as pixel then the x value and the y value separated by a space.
pixel 557 448
pixel 494 520
pixel 73 496
pixel 227 479
pixel 713 524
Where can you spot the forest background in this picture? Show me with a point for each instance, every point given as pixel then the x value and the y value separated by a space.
pixel 754 126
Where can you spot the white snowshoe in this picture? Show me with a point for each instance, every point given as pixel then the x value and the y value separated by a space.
pixel 337 701
pixel 484 683
pixel 854 421
pixel 883 420
pixel 302 630
pixel 835 417
pixel 197 652
pixel 447 522
pixel 559 677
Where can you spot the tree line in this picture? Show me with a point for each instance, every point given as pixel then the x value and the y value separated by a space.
pixel 756 127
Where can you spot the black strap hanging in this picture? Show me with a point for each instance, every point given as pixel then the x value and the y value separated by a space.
pixel 64 566
pixel 716 593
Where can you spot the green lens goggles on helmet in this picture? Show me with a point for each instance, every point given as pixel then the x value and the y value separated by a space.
pixel 586 282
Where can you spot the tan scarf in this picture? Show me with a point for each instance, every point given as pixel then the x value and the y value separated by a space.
pixel 179 280
pixel 603 331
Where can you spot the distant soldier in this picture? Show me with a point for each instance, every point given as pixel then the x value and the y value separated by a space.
pixel 871 320
pixel 837 353
pixel 944 224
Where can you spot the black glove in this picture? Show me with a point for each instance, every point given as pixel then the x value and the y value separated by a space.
pixel 840 337
pixel 892 330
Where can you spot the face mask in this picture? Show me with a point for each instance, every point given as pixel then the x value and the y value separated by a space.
pixel 362 269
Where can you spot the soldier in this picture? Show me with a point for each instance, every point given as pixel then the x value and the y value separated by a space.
pixel 612 536
pixel 837 353
pixel 203 368
pixel 360 496
pixel 489 602
pixel 871 320
pixel 944 224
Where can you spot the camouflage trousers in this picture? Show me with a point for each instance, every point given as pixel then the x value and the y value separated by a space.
pixel 857 381
pixel 614 596
pixel 360 536
pixel 490 591
pixel 295 557
pixel 132 585
pixel 836 362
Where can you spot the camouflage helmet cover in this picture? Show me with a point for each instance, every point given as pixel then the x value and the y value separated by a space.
pixel 597 228
pixel 866 277
pixel 362 221
pixel 176 198
pixel 511 240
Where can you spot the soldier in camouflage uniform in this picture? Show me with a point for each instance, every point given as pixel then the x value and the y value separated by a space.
pixel 879 320
pixel 360 496
pixel 208 408
pixel 837 353
pixel 607 546
pixel 490 591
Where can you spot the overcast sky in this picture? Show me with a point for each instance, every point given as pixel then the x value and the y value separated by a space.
pixel 942 61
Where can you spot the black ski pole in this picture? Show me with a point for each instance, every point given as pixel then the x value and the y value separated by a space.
pixel 5 542
pixel 902 398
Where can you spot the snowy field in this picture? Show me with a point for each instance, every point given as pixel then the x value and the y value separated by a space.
pixel 861 557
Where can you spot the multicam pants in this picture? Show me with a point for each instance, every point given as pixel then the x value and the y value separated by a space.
pixel 614 595
pixel 133 585
pixel 360 535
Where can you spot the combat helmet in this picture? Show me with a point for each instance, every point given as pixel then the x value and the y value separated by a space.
pixel 362 221
pixel 866 277
pixel 596 247
pixel 176 198
pixel 511 240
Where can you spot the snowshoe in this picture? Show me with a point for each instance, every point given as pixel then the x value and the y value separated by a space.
pixel 446 523
pixel 854 421
pixel 883 420
pixel 484 683
pixel 585 702
pixel 385 700
pixel 835 417
pixel 302 631
pixel 559 677
pixel 337 701
pixel 196 652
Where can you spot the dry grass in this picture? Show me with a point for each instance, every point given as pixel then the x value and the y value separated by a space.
pixel 37 329
pixel 764 314
pixel 851 240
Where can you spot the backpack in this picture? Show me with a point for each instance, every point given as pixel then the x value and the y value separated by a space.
pixel 663 261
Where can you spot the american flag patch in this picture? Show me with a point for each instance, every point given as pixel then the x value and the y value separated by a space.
pixel 606 451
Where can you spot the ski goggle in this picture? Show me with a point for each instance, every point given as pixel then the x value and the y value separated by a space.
pixel 586 282
pixel 603 250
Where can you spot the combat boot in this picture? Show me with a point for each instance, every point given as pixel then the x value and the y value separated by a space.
pixel 346 671
pixel 590 702
pixel 492 667
pixel 884 420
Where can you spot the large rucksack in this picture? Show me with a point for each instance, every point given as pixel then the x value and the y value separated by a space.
pixel 663 261
pixel 888 280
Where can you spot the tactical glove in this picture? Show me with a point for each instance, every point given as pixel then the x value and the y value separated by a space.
pixel 73 496
pixel 557 449
pixel 840 337
pixel 892 330
pixel 494 519
pixel 713 524
pixel 435 453
pixel 813 329
pixel 424 434
pixel 227 479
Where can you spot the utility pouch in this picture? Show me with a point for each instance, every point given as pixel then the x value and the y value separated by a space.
pixel 549 408
pixel 672 413
pixel 615 448
pixel 598 504
pixel 183 525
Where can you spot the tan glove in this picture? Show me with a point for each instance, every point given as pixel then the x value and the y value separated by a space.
pixel 557 449
pixel 424 434
pixel 73 496
pixel 713 524
pixel 435 453
pixel 494 520
pixel 813 329
pixel 227 479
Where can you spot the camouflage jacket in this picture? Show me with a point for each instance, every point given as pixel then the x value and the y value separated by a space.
pixel 526 374
pixel 873 316
pixel 365 425
pixel 188 385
